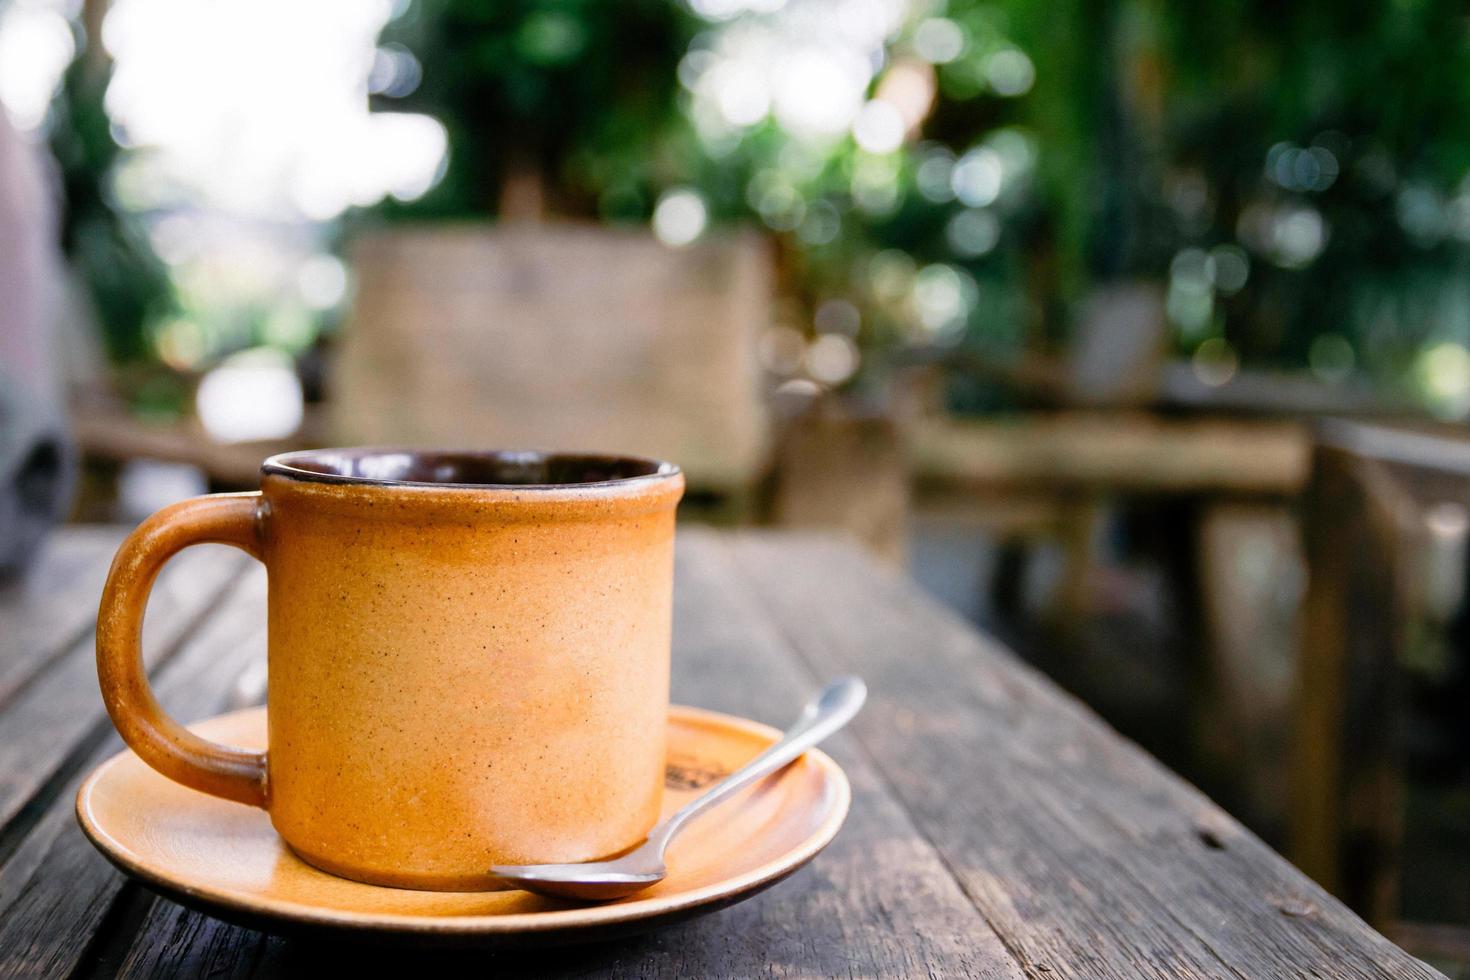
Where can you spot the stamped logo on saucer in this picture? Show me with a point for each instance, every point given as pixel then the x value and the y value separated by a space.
pixel 689 774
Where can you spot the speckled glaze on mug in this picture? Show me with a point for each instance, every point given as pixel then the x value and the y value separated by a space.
pixel 469 657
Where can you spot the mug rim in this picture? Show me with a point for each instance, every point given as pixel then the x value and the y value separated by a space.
pixel 287 465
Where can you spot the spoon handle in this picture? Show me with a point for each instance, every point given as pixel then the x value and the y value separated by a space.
pixel 824 714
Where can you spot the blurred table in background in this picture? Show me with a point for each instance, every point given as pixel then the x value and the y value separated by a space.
pixel 998 827
pixel 114 436
pixel 1149 560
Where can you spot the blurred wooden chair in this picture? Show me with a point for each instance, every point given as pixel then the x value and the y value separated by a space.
pixel 548 335
pixel 1386 518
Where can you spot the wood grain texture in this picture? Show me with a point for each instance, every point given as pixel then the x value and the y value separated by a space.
pixel 1088 857
pixel 46 720
pixel 998 828
pixel 52 607
pixel 56 889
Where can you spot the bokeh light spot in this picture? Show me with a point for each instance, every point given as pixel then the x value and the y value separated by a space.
pixel 977 177
pixel 252 396
pixel 879 127
pixel 1215 362
pixel 973 232
pixel 1010 72
pixel 939 40
pixel 832 358
pixel 679 217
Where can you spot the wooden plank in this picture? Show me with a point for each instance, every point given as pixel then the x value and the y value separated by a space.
pixel 1281 393
pixel 878 902
pixel 1114 452
pixel 46 721
pixel 54 605
pixel 1088 857
pixel 1436 447
pixel 55 889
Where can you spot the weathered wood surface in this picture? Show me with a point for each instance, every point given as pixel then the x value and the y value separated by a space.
pixel 49 609
pixel 998 828
pixel 1085 854
pixel 55 894
pixel 58 711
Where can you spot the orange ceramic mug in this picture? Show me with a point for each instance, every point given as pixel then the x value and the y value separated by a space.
pixel 469 656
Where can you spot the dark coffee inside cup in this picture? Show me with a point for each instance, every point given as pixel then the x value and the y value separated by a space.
pixel 517 469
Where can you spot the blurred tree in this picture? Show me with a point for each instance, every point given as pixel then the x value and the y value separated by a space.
pixel 614 109
pixel 541 96
pixel 1296 173
pixel 960 173
pixel 1333 144
pixel 110 252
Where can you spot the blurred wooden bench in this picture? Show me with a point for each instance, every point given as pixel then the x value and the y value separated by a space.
pixel 115 436
pixel 1112 451
pixel 561 335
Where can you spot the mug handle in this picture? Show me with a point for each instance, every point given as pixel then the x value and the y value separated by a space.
pixel 173 750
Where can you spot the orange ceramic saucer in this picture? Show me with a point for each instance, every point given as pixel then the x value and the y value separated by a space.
pixel 223 858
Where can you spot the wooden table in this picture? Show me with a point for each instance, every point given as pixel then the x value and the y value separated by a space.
pixel 998 828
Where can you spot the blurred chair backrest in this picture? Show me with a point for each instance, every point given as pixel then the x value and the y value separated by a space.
pixel 562 336
pixel 1385 528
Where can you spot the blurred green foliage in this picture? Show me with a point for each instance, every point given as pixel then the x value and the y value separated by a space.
pixel 1316 149
pixel 129 286
pixel 545 88
pixel 1260 124
pixel 1292 176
